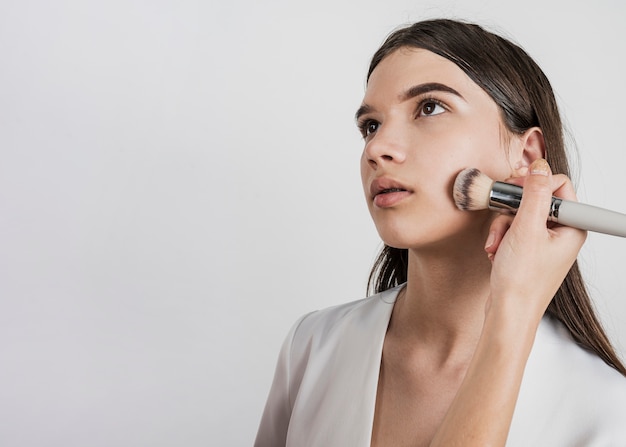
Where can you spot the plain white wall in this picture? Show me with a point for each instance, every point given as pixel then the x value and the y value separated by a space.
pixel 179 182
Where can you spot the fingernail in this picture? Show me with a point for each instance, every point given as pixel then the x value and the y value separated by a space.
pixel 490 239
pixel 539 167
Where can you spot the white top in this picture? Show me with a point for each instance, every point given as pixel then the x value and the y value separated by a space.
pixel 324 388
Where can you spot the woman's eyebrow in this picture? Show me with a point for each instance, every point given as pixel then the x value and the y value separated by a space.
pixel 420 89
pixel 362 111
pixel 412 92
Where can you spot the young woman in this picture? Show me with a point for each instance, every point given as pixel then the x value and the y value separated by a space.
pixel 481 331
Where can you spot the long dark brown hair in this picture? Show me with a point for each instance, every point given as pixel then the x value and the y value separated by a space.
pixel 526 99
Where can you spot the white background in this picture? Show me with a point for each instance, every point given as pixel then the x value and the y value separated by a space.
pixel 179 182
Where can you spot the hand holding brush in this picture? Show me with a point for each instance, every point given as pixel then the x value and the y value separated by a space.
pixel 474 190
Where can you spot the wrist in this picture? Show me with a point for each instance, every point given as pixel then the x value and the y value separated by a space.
pixel 513 321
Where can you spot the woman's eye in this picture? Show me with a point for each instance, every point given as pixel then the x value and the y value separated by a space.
pixel 430 108
pixel 369 127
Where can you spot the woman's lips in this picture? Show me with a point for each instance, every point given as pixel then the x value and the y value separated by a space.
pixel 389 198
pixel 387 192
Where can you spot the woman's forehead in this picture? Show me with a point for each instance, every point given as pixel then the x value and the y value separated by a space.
pixel 407 67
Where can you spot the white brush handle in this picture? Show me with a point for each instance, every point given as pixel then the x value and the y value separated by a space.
pixel 592 218
pixel 506 197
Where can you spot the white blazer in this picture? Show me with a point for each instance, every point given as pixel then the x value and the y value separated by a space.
pixel 324 388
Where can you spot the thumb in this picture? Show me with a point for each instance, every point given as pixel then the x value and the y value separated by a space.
pixel 537 198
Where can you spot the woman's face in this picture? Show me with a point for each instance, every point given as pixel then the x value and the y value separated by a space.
pixel 424 120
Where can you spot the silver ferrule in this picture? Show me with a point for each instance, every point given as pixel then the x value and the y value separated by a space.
pixel 554 209
pixel 506 197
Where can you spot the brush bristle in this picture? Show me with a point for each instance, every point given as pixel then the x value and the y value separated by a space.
pixel 471 190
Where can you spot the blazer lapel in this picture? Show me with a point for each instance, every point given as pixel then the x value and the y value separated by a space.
pixel 337 396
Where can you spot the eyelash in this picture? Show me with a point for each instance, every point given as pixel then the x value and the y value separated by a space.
pixel 363 124
pixel 429 100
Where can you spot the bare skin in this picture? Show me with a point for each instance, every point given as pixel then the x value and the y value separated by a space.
pixel 463 327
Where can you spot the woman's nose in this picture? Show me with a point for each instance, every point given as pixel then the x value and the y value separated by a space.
pixel 386 146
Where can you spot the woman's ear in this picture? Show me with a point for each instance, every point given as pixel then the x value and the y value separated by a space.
pixel 533 145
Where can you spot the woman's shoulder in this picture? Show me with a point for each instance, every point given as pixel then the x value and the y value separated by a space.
pixel 576 365
pixel 585 374
pixel 568 394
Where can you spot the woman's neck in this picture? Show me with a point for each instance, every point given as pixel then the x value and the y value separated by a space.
pixel 442 306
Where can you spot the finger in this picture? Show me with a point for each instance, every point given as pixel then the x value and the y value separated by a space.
pixel 497 230
pixel 562 187
pixel 537 198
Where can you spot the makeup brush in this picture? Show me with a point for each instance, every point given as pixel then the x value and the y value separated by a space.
pixel 474 190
